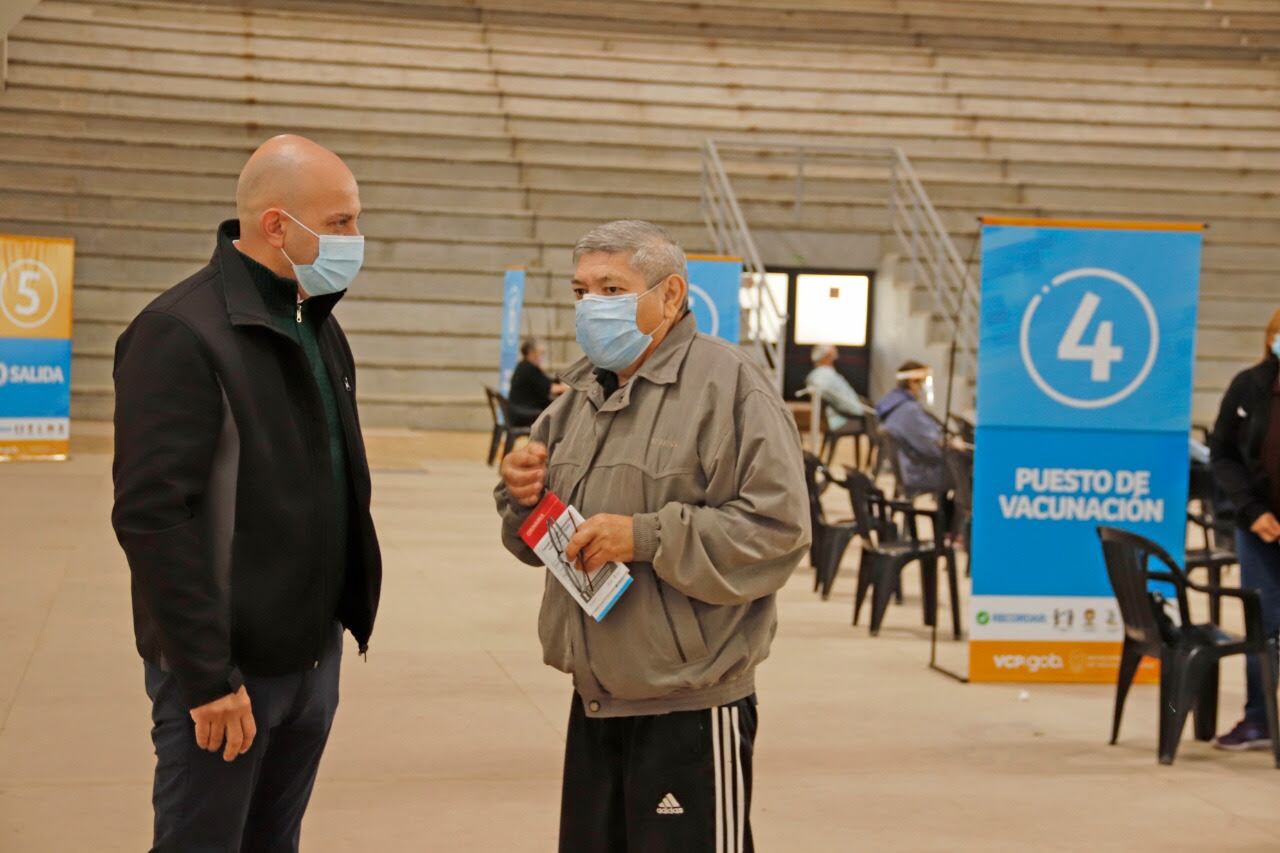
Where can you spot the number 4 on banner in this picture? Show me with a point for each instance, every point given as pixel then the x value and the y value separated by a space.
pixel 1101 354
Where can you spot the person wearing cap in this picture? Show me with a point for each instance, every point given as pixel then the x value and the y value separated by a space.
pixel 846 416
pixel 917 433
pixel 686 463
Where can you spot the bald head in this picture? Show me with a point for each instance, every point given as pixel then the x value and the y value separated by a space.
pixel 292 175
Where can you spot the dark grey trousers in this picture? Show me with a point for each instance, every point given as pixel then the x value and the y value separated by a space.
pixel 256 802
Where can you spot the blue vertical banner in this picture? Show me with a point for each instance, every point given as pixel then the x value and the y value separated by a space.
pixel 714 286
pixel 1085 362
pixel 512 309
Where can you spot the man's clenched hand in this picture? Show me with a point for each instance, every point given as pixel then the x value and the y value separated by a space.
pixel 525 473
pixel 602 539
pixel 229 718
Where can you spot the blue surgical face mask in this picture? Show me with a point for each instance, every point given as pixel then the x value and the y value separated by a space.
pixel 607 330
pixel 336 265
pixel 1275 346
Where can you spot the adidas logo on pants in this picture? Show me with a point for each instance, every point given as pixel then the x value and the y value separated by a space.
pixel 670 805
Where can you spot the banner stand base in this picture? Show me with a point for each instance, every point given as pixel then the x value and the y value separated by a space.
pixel 933 657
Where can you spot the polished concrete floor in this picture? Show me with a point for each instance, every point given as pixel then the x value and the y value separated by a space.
pixel 450 736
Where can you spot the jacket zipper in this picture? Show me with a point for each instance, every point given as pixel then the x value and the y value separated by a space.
pixel 324 583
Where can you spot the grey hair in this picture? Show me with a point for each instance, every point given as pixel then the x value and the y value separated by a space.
pixel 821 351
pixel 654 253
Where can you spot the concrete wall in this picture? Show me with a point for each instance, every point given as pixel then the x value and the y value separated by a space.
pixel 488 140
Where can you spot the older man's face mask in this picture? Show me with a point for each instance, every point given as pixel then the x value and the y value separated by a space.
pixel 607 331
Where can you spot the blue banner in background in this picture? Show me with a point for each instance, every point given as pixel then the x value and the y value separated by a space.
pixel 1085 362
pixel 714 285
pixel 512 308
pixel 35 378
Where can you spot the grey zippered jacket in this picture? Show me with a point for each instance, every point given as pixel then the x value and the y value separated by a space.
pixel 698 448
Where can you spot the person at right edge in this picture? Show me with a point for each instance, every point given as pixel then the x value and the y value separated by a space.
pixel 1245 455
pixel 679 452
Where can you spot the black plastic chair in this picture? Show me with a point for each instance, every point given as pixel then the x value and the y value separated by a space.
pixel 830 538
pixel 1189 654
pixel 1216 527
pixel 503 434
pixel 860 428
pixel 885 554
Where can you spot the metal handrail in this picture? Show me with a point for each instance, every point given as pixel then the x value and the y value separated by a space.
pixel 729 231
pixel 922 237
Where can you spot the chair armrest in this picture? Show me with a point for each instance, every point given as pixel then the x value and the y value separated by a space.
pixel 1249 598
pixel 913 512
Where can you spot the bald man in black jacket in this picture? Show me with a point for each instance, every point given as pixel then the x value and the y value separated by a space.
pixel 242 503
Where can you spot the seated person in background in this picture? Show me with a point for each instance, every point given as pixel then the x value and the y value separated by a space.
pixel 531 389
pixel 916 432
pixel 841 401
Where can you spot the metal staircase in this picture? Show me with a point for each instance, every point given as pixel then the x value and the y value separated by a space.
pixel 922 241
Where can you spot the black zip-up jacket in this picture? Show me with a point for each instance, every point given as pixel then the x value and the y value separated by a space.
pixel 225 497
pixel 1235 447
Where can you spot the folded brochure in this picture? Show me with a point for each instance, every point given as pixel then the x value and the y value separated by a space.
pixel 548 531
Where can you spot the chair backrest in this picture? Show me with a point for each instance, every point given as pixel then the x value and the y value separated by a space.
pixel 870 510
pixel 504 406
pixel 872 464
pixel 1128 556
pixel 812 465
pixel 891 456
pixel 1215 517
pixel 960 466
pixel 495 406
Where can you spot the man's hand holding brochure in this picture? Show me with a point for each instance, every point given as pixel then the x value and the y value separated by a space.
pixel 584 555
pixel 549 530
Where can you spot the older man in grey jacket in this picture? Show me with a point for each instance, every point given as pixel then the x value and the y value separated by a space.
pixel 687 466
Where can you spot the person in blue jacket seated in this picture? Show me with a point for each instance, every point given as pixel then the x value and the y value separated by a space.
pixel 917 433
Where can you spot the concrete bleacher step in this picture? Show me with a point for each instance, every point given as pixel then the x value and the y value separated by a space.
pixel 157 143
pixel 175 17
pixel 735 52
pixel 1034 81
pixel 999 27
pixel 436 224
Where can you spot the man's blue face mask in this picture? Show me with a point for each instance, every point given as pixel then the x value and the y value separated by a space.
pixel 607 330
pixel 1275 346
pixel 336 265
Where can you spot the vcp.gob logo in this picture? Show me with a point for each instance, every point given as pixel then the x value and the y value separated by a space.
pixel 1089 338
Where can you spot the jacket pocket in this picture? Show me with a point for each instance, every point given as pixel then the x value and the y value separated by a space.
pixel 554 626
pixel 691 645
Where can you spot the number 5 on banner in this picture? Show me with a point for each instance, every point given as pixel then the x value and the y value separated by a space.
pixel 1100 354
pixel 26 278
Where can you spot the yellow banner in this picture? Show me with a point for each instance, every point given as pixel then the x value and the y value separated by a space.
pixel 1052 661
pixel 35 286
pixel 36 280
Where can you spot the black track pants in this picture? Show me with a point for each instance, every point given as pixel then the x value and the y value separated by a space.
pixel 671 783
